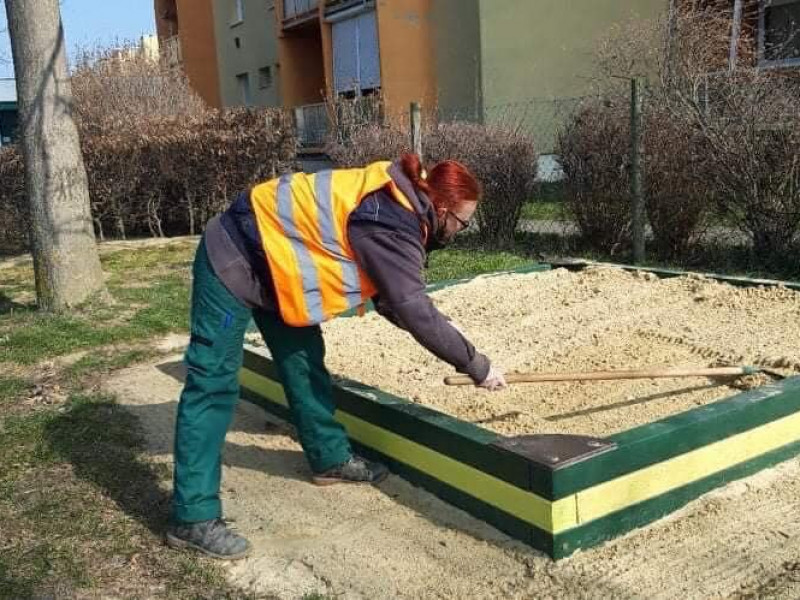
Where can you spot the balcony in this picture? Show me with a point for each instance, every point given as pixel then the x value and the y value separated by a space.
pixel 338 8
pixel 171 51
pixel 298 12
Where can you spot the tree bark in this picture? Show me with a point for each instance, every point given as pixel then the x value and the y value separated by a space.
pixel 66 261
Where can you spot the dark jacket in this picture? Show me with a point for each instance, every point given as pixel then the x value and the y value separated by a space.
pixel 387 241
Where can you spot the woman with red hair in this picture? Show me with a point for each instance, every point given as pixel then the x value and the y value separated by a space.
pixel 290 254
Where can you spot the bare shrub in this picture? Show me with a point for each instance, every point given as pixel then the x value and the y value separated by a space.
pixel 369 143
pixel 120 88
pixel 158 162
pixel 14 215
pixel 748 124
pixel 174 175
pixel 502 158
pixel 719 138
pixel 679 202
pixel 594 153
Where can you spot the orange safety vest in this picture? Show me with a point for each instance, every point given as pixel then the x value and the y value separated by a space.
pixel 303 224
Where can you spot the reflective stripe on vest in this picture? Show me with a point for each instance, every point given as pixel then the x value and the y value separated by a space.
pixel 350 277
pixel 308 272
pixel 303 224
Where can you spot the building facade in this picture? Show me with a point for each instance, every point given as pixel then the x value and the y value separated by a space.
pixel 186 34
pixel 467 58
pixel 247 52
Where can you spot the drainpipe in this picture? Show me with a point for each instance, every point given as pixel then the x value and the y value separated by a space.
pixel 735 32
pixel 671 26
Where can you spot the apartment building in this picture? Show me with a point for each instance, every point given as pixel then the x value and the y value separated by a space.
pixel 297 53
pixel 466 57
pixel 462 56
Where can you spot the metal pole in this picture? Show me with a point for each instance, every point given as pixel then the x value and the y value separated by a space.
pixel 735 32
pixel 416 129
pixel 637 168
pixel 671 26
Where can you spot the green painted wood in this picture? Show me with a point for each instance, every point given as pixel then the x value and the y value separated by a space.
pixel 447 435
pixel 625 520
pixel 676 435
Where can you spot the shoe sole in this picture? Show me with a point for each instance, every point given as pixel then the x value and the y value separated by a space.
pixel 326 481
pixel 179 544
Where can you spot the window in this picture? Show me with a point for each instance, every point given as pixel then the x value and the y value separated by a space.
pixel 237 42
pixel 779 32
pixel 243 80
pixel 265 78
pixel 237 12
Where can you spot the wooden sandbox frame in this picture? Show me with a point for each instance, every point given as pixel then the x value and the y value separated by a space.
pixel 561 493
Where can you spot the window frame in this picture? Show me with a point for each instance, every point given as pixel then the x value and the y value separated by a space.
pixel 245 88
pixel 261 79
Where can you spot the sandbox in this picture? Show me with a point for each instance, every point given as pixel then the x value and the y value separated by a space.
pixel 567 465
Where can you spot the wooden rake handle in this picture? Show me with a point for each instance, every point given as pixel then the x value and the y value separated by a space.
pixel 612 375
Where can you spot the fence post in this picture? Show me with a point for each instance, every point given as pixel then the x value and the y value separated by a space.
pixel 637 168
pixel 416 129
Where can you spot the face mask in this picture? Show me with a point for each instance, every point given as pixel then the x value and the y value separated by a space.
pixel 438 240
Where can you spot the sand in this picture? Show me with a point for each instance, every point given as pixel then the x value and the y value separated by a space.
pixel 598 319
pixel 397 541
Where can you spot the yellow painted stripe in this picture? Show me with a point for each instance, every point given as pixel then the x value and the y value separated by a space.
pixel 619 493
pixel 546 515
pixel 584 506
pixel 271 390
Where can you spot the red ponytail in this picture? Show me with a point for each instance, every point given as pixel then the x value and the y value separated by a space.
pixel 448 184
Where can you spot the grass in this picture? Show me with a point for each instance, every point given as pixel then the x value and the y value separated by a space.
pixel 11 388
pixel 464 262
pixel 543 210
pixel 149 299
pixel 69 523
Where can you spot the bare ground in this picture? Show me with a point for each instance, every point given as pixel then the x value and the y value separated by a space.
pixel 397 541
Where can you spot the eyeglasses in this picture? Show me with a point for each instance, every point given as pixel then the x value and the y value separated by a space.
pixel 464 224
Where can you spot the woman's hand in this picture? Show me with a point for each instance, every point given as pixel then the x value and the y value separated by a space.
pixel 494 382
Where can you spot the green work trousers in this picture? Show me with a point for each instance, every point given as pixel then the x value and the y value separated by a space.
pixel 218 324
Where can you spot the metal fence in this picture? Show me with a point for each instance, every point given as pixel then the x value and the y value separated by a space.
pixel 638 182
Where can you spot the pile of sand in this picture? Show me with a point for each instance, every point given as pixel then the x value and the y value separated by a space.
pixel 601 318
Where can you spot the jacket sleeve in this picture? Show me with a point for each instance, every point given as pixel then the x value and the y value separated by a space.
pixel 394 262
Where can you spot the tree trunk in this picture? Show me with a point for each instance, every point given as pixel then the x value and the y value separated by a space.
pixel 65 258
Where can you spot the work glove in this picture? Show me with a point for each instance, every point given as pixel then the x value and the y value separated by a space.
pixel 495 381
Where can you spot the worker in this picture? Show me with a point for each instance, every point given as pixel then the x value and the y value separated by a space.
pixel 292 253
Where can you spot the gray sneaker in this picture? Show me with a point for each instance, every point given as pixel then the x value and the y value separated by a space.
pixel 354 470
pixel 213 537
